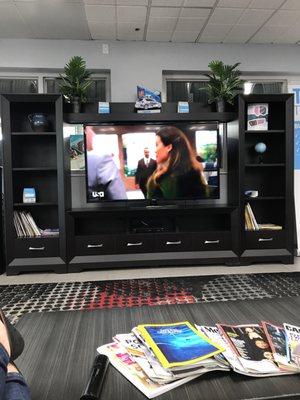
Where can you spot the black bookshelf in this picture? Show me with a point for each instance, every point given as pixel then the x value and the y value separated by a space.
pixel 272 175
pixel 34 159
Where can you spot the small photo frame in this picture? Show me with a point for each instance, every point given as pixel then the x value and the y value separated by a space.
pixel 257 117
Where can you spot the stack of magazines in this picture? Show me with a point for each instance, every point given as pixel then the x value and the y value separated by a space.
pixel 251 223
pixel 159 357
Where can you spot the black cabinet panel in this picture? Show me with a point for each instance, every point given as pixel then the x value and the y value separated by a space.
pixel 135 243
pixel 212 241
pixel 36 247
pixel 265 240
pixel 94 245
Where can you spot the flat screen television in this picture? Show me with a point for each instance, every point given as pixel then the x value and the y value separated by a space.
pixel 152 162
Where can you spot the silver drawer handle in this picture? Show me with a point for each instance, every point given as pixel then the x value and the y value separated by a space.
pixel 211 241
pixel 92 246
pixel 37 248
pixel 134 244
pixel 265 239
pixel 168 243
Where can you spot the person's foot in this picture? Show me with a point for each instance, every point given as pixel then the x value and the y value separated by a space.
pixel 12 368
pixel 4 340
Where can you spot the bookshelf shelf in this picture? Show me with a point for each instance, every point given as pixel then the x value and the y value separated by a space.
pixel 31 169
pixel 272 178
pixel 33 133
pixel 35 204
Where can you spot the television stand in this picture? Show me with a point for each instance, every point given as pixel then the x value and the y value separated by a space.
pixel 159 235
pixel 157 206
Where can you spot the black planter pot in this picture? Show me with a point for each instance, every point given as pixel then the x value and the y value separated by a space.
pixel 76 105
pixel 220 105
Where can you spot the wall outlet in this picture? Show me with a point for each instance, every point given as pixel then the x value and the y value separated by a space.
pixel 105 49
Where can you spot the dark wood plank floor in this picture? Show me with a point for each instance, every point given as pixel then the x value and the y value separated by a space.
pixel 61 346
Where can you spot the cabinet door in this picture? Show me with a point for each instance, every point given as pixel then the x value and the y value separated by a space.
pixel 212 241
pixel 36 247
pixel 173 242
pixel 135 243
pixel 94 245
pixel 265 240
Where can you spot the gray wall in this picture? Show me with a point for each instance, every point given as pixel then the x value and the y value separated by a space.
pixel 133 63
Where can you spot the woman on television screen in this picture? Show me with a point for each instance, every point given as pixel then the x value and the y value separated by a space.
pixel 179 175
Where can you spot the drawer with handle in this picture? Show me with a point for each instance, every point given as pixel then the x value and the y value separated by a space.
pixel 135 244
pixel 212 241
pixel 36 247
pixel 173 242
pixel 265 239
pixel 94 245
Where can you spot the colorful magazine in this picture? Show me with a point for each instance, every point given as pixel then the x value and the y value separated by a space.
pixel 293 342
pixel 178 344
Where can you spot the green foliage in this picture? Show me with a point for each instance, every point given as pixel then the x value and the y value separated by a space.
pixel 224 82
pixel 75 81
pixel 209 152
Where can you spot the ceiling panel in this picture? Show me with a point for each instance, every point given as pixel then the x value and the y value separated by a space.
pixel 217 31
pixel 234 3
pixel 199 3
pixel 162 24
pixel 225 15
pixel 167 12
pixel 241 33
pixel 195 12
pixel 132 2
pixel 176 3
pixel 268 34
pixel 190 24
pixel 266 4
pixel 52 22
pixel 291 5
pixel 102 30
pixel 11 24
pixel 100 2
pixel 100 13
pixel 254 17
pixel 157 36
pixel 284 18
pixel 128 28
pixel 127 13
pixel 185 36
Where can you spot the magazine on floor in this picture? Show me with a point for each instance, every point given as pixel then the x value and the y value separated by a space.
pixel 179 344
pixel 293 343
pixel 251 345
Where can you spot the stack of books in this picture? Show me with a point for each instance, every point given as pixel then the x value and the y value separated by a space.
pixel 25 225
pixel 159 357
pixel 251 223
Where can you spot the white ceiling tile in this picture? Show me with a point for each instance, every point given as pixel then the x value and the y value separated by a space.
pixel 128 28
pixel 195 12
pixel 170 3
pixel 199 3
pixel 102 30
pixel 225 15
pixel 100 2
pixel 268 34
pixel 217 31
pixel 48 22
pixel 185 36
pixel 266 4
pixel 241 33
pixel 157 36
pixel 291 5
pixel 190 24
pixel 132 2
pixel 126 33
pixel 254 17
pixel 162 24
pixel 234 3
pixel 284 18
pixel 164 12
pixel 208 39
pixel 11 24
pixel 127 13
pixel 100 13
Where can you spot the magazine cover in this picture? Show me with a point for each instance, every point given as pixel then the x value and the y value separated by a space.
pixel 178 344
pixel 132 371
pixel 251 345
pixel 278 342
pixel 293 341
pixel 257 117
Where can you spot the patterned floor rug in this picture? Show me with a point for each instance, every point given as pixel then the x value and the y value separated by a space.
pixel 19 299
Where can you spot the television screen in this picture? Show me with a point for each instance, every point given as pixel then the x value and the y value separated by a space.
pixel 152 162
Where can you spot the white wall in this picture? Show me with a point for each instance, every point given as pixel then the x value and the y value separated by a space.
pixel 133 63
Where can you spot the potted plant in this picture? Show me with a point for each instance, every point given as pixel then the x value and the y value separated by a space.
pixel 224 83
pixel 75 82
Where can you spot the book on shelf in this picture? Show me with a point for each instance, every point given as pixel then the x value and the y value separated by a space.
pixel 251 223
pixel 257 116
pixel 25 226
pixel 256 350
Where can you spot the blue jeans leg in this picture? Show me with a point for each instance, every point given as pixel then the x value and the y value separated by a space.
pixel 4 359
pixel 16 388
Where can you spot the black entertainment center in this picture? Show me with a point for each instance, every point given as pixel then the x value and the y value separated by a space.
pixel 151 233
